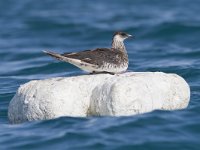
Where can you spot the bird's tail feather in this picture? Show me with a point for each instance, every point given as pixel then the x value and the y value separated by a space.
pixel 55 55
pixel 75 62
pixel 60 57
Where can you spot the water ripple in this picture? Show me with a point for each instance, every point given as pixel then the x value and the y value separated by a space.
pixel 166 39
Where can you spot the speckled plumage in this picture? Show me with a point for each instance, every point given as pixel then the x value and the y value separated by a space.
pixel 111 60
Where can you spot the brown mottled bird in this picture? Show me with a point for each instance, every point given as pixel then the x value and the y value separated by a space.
pixel 101 60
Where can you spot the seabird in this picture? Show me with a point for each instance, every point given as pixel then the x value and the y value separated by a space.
pixel 100 60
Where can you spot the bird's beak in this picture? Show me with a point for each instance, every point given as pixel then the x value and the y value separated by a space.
pixel 129 36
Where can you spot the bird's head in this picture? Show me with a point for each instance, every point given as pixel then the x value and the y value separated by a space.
pixel 121 36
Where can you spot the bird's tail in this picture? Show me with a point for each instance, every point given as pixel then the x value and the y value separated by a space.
pixel 78 63
pixel 60 57
pixel 55 55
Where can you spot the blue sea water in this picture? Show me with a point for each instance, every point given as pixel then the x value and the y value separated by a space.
pixel 167 38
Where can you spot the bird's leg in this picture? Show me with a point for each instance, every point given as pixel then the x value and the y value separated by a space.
pixel 109 72
pixel 93 72
pixel 102 72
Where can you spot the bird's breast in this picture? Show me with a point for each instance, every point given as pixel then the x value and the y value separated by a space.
pixel 115 68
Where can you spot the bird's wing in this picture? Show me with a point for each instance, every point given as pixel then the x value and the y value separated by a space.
pixel 95 57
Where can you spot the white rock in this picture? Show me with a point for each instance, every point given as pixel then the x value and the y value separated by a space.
pixel 113 95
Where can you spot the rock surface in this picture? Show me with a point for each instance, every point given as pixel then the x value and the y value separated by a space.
pixel 104 94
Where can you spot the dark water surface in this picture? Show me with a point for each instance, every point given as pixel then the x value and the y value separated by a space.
pixel 167 38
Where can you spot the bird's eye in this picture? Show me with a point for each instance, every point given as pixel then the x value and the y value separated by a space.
pixel 123 34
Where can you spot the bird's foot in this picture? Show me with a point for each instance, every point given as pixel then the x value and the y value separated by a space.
pixel 104 72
